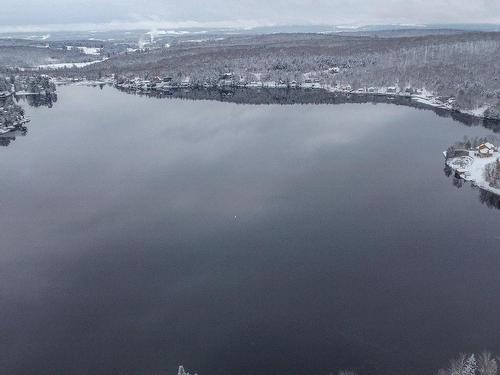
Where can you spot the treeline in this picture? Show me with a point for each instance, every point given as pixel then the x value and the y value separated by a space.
pixel 18 54
pixel 11 114
pixel 465 364
pixel 32 56
pixel 465 66
pixel 307 96
pixel 468 143
pixel 35 84
pixel 472 364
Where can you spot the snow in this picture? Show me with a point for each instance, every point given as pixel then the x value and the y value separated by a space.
pixel 69 65
pixel 26 93
pixel 87 50
pixel 195 40
pixel 478 112
pixel 311 80
pixel 90 50
pixel 489 145
pixel 472 168
pixel 41 37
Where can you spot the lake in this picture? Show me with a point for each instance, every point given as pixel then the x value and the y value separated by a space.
pixel 138 234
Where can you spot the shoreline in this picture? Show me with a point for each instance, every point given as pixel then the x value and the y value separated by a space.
pixel 420 96
pixel 423 98
pixel 472 168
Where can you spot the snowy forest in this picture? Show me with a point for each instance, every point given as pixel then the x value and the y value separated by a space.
pixel 41 90
pixel 484 363
pixel 464 65
pixel 22 54
pixel 34 84
pixel 459 66
pixel 10 113
pixel 472 364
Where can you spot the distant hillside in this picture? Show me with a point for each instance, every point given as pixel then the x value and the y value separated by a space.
pixel 463 65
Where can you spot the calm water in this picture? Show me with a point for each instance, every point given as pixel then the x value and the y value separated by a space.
pixel 138 234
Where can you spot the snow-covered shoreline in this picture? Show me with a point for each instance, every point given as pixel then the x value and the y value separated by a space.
pixel 420 96
pixel 470 166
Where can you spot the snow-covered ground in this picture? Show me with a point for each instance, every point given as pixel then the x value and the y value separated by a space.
pixel 87 50
pixel 83 82
pixel 472 168
pixel 69 65
pixel 26 93
pixel 478 112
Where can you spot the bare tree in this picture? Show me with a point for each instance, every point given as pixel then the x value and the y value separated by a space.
pixel 487 365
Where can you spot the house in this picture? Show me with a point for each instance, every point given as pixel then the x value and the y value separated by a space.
pixel 485 150
pixel 186 82
pixel 490 146
pixel 225 82
pixel 225 76
pixel 391 90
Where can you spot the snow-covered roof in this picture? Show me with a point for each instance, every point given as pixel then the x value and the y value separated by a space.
pixel 489 145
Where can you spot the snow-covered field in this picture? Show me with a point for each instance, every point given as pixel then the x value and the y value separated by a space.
pixel 87 50
pixel 69 65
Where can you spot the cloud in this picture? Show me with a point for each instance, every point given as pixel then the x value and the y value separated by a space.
pixel 146 24
pixel 48 15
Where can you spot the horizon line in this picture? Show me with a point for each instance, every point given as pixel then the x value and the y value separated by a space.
pixel 214 25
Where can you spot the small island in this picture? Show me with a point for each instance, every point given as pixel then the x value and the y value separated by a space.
pixel 476 160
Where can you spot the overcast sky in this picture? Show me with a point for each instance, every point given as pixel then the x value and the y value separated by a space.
pixel 105 14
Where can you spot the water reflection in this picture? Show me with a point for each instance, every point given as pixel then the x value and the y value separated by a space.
pixel 7 138
pixel 38 100
pixel 33 101
pixel 487 198
pixel 309 96
pixel 239 240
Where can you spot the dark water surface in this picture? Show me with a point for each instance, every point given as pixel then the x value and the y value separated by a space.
pixel 138 234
